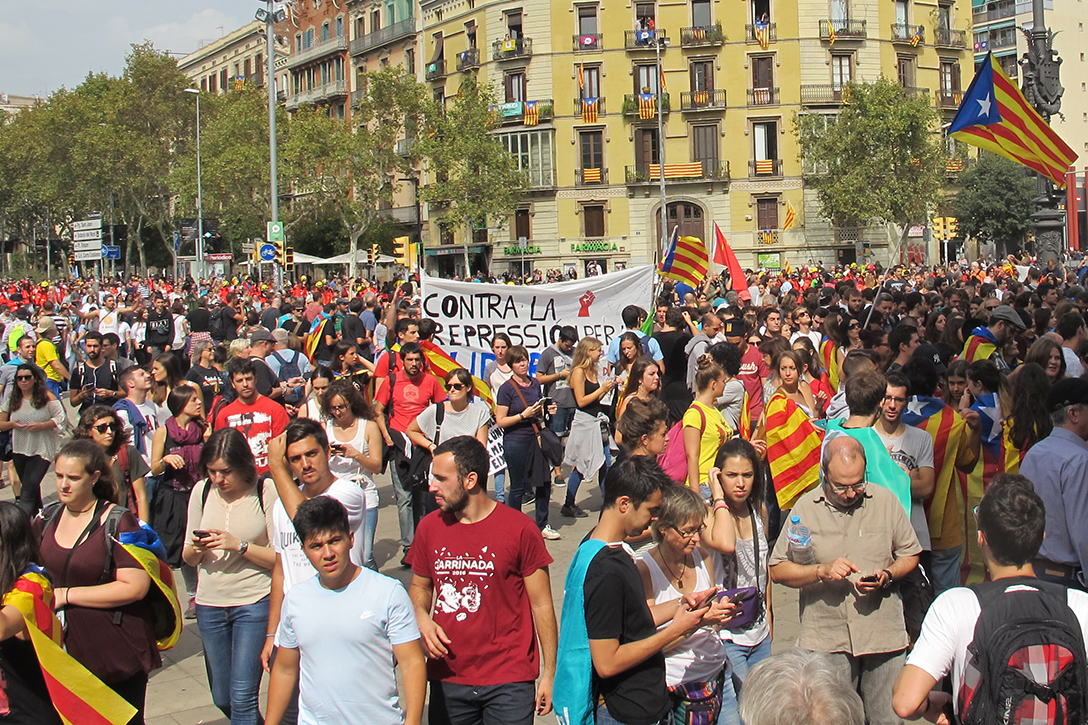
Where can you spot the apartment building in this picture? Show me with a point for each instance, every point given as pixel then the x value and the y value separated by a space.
pixel 233 60
pixel 581 86
pixel 317 68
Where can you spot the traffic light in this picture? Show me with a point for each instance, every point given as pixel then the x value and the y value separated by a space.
pixel 289 259
pixel 372 257
pixel 938 227
pixel 281 252
pixel 401 251
pixel 953 226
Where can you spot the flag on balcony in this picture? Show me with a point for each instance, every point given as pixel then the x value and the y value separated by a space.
pixel 724 256
pixel 700 98
pixel 791 216
pixel 995 116
pixel 532 113
pixel 685 260
pixel 830 32
pixel 646 108
pixel 509 45
pixel 591 176
pixel 661 74
pixel 767 236
pixel 763 33
pixel 581 75
pixel 917 37
pixel 589 110
pixel 764 166
pixel 953 165
pixel 693 170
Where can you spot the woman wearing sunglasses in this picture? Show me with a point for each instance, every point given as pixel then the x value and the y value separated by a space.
pixel 37 420
pixel 101 424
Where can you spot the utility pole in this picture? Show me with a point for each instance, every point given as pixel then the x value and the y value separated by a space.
pixel 660 40
pixel 270 52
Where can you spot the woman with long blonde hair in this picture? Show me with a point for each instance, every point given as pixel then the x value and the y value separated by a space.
pixel 587 445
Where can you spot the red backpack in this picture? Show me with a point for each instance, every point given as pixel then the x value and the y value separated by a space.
pixel 674 461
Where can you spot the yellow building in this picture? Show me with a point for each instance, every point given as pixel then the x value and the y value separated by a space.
pixel 582 89
pixel 236 58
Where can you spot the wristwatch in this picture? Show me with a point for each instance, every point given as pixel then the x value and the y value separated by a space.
pixel 243 547
pixel 889 581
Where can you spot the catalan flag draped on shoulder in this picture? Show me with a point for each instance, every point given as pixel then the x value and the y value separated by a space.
pixel 997 117
pixel 793 449
pixel 144 546
pixel 981 345
pixel 78 696
pixel 685 260
pixel 831 365
pixel 442 363
pixel 945 426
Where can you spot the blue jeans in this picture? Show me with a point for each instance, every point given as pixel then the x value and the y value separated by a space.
pixel 517 457
pixel 507 704
pixel 741 659
pixel 233 639
pixel 371 523
pixel 576 478
pixel 944 568
pixel 560 422
pixel 604 718
pixel 405 510
pixel 500 486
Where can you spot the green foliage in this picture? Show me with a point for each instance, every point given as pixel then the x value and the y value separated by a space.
pixel 879 160
pixel 994 200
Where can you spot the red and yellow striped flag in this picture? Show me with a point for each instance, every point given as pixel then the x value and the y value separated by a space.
pixel 977 348
pixel 442 363
pixel 1000 456
pixel 686 259
pixel 945 426
pixel 745 418
pixel 831 32
pixel 78 696
pixel 827 355
pixel 791 217
pixel 646 108
pixel 793 449
pixel 532 113
pixel 589 110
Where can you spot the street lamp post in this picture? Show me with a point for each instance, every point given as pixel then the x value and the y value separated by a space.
pixel 199 193
pixel 269 15
pixel 659 42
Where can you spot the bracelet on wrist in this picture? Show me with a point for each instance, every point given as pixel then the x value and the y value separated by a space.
pixel 720 506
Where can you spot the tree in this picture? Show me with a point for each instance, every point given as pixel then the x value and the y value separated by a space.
pixel 879 160
pixel 472 176
pixel 994 200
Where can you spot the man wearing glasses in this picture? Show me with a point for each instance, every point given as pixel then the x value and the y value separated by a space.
pixel 850 606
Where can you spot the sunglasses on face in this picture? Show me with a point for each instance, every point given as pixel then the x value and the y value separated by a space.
pixel 104 427
pixel 24 377
pixel 338 408
pixel 456 386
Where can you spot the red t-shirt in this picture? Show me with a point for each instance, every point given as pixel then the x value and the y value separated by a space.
pixel 409 398
pixel 478 571
pixel 752 368
pixel 259 423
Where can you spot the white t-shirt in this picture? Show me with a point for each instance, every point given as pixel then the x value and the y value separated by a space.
pixel 296 567
pixel 152 414
pixel 108 320
pixel 341 634
pixel 349 468
pixel 913 449
pixel 949 628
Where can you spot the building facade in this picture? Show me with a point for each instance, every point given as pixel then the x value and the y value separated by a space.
pixel 582 83
pixel 318 65
pixel 233 60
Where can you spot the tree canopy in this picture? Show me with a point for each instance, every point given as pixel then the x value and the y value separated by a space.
pixel 994 200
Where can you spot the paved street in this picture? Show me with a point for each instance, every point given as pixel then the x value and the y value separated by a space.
pixel 178 692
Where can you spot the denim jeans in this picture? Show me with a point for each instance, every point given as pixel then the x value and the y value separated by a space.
pixel 500 486
pixel 741 659
pixel 560 422
pixel 604 718
pixel 873 676
pixel 371 523
pixel 944 565
pixel 405 515
pixel 507 704
pixel 575 479
pixel 233 639
pixel 517 457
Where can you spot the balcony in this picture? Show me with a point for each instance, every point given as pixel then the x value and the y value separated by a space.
pixel 512 48
pixel 843 29
pixel 916 91
pixel 701 35
pixel 768 236
pixel 316 95
pixel 401 214
pixel 593 113
pixel 590 177
pixel 750 35
pixel 711 170
pixel 384 35
pixel 317 50
pixel 516 112
pixel 762 97
pixel 468 59
pixel 993 11
pixel 822 95
pixel 404 146
pixel 587 41
pixel 643 39
pixel 357 96
pixel 702 100
pixel 436 70
pixel 913 35
pixel 949 99
pixel 765 167
pixel 953 167
pixel 644 105
pixel 948 38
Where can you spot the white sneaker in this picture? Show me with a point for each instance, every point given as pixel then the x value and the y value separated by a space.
pixel 550 534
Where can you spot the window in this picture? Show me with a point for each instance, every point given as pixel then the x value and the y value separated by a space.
pixel 204 84
pixel 762 80
pixel 944 17
pixel 840 11
pixel 340 27
pixel 765 140
pixel 410 61
pixel 842 71
pixel 515 86
pixel 248 67
pixel 338 68
pixel 700 13
pixel 223 80
pixel 535 153
pixel 375 20
pixel 513 24
pixel 767 213
pixel 647 13
pixel 808 166
pixel 360 27
pixel 702 75
pixel 950 77
pixel 646 78
pixel 591 81
pixel 592 144
pixel 593 220
pixel 522 227
pixel 902 12
pixel 308 39
pixel 646 148
pixel 470 33
pixel 1009 66
pixel 587 19
pixel 905 70
pixel 704 148
pixel 761 10
pixel 324 32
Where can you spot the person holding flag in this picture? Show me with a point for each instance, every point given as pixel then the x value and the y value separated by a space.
pixel 986 343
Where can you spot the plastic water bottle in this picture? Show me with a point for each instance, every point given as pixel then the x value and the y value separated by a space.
pixel 800 540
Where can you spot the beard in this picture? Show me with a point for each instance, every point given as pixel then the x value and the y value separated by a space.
pixel 456 503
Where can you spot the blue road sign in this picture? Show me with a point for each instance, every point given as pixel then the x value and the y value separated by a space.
pixel 177 242
pixel 268 252
pixel 111 252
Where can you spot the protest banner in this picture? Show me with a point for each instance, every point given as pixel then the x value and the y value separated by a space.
pixel 469 314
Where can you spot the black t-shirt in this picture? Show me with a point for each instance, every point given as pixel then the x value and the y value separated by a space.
pixel 199 320
pixel 352 329
pixel 323 351
pixel 160 327
pixel 298 328
pixel 616 609
pixel 210 381
pixel 100 377
pixel 672 353
pixel 266 379
pixel 270 317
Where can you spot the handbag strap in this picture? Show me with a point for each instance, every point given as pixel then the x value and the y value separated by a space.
pixel 517 389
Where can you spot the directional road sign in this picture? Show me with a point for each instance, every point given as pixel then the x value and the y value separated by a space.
pixel 82 226
pixel 89 255
pixel 111 252
pixel 82 235
pixel 268 252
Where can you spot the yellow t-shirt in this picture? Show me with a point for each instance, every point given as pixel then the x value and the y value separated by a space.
pixel 715 432
pixel 45 352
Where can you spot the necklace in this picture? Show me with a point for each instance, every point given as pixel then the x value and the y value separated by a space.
pixel 80 513
pixel 683 570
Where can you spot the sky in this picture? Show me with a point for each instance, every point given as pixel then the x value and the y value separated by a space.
pixel 47 44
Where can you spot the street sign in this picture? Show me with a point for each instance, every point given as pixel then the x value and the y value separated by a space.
pixel 88 255
pixel 268 252
pixel 83 235
pixel 248 247
pixel 177 242
pixel 111 252
pixel 83 226
pixel 92 245
pixel 275 232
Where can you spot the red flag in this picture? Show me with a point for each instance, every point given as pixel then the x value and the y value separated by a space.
pixel 724 256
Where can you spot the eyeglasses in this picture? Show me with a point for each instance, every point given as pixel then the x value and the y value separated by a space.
pixel 856 487
pixel 104 427
pixel 338 408
pixel 893 399
pixel 24 377
pixel 690 534
pixel 853 325
pixel 456 386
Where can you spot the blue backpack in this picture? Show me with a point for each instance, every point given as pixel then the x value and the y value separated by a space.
pixel 572 692
pixel 137 421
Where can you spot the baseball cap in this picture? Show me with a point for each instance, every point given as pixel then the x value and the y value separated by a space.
pixel 1008 314
pixel 733 327
pixel 260 335
pixel 931 353
pixel 1066 392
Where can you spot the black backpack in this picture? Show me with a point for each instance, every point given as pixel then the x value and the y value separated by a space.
pixel 1026 663
pixel 217 325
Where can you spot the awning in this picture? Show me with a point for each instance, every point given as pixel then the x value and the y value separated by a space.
pixel 438 45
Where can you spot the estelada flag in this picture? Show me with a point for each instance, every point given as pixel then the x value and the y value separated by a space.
pixel 977 348
pixel 793 449
pixel 998 455
pixel 78 696
pixel 945 426
pixel 995 116
pixel 442 363
pixel 827 355
pixel 685 259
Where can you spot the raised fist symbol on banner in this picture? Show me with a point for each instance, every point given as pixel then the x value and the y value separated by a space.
pixel 586 300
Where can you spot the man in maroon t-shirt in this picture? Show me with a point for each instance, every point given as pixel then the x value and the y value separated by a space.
pixel 412 391
pixel 753 369
pixel 259 419
pixel 493 619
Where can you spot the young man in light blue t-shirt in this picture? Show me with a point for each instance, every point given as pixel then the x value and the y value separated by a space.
pixel 343 633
